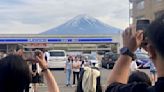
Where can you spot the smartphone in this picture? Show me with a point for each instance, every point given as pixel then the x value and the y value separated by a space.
pixel 142 24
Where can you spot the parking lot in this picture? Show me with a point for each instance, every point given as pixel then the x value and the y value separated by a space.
pixel 60 78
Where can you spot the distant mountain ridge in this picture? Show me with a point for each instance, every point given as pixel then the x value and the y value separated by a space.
pixel 83 25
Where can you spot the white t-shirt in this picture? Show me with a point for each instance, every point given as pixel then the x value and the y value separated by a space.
pixel 37 66
pixel 133 66
pixel 76 66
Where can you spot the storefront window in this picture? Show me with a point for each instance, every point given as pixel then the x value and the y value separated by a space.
pixel 140 5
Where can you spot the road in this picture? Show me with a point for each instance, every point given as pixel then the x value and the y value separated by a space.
pixel 60 78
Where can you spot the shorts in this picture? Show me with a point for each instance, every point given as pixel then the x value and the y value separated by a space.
pixel 35 79
pixel 153 72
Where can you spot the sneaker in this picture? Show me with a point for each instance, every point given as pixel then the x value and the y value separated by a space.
pixel 67 85
pixel 42 84
pixel 73 85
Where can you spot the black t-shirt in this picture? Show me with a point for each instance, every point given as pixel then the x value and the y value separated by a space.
pixel 137 87
pixel 34 67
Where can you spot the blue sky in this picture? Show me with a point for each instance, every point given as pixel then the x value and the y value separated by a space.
pixel 35 16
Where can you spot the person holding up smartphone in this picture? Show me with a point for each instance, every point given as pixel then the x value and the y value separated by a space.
pixel 117 81
pixel 51 82
pixel 15 74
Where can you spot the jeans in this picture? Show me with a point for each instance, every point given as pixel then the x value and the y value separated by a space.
pixel 75 74
pixel 81 71
pixel 68 76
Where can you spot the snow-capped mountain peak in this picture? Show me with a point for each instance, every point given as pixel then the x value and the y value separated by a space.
pixel 81 19
pixel 83 25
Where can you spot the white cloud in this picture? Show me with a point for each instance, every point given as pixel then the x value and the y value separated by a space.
pixel 119 23
pixel 34 16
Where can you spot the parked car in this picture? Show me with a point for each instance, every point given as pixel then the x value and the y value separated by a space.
pixel 57 58
pixel 142 59
pixel 92 59
pixel 109 59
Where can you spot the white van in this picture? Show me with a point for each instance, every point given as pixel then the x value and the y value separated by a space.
pixel 57 58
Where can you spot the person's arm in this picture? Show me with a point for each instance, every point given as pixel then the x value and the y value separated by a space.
pixel 73 65
pixel 120 72
pixel 51 82
pixel 79 64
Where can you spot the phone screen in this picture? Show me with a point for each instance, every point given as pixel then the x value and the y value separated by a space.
pixel 142 24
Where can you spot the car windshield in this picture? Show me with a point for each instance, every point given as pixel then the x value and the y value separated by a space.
pixel 91 57
pixel 57 54
pixel 142 56
pixel 108 54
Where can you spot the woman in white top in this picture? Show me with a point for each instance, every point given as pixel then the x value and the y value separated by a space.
pixel 76 69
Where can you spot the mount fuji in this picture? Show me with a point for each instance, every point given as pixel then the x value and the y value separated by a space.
pixel 83 25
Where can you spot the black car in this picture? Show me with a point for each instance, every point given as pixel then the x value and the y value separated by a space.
pixel 109 59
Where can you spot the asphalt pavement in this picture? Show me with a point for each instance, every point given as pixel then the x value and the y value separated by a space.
pixel 60 78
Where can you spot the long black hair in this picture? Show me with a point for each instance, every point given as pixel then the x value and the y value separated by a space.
pixel 14 74
pixel 139 76
pixel 70 59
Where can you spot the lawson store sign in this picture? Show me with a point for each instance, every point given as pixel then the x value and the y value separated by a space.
pixel 55 40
